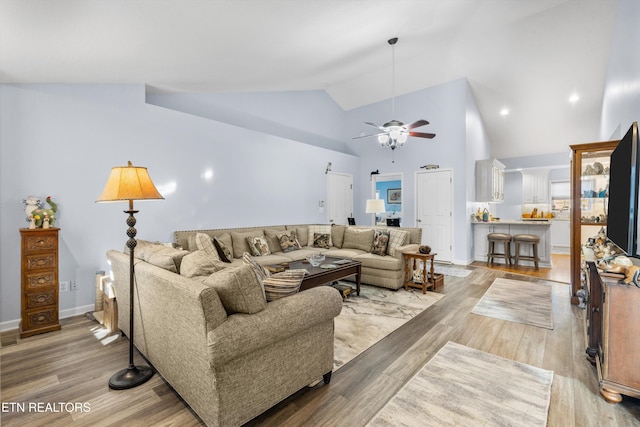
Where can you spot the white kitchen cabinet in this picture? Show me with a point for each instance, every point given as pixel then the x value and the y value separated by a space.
pixel 489 181
pixel 535 186
pixel 560 236
pixel 480 243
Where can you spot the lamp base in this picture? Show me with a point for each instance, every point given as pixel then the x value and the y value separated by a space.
pixel 130 377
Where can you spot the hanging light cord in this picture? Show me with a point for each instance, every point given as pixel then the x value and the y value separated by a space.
pixel 393 78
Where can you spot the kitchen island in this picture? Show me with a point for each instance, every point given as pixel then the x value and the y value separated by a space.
pixel 540 228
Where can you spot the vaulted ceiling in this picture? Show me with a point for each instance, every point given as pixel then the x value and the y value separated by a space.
pixel 527 57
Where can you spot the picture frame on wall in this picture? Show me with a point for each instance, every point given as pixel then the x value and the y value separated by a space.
pixel 394 196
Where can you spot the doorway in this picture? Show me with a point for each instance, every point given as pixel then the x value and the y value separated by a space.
pixel 339 197
pixel 434 210
pixel 388 187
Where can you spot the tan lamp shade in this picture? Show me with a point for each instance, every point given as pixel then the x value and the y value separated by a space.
pixel 129 183
pixel 375 206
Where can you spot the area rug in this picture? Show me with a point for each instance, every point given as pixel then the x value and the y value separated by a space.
pixel 373 315
pixel 518 301
pixel 451 271
pixel 462 386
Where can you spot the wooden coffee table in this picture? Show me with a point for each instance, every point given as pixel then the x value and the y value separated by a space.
pixel 318 276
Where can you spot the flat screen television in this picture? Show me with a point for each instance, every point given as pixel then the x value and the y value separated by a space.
pixel 622 217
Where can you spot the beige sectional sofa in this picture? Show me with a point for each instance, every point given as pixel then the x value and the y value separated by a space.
pixel 227 352
pixel 346 242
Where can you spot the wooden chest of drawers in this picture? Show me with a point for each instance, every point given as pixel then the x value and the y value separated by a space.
pixel 39 281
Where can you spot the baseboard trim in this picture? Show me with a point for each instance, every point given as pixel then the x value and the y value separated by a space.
pixel 62 314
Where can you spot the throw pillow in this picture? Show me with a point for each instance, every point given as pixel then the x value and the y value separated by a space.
pixel 261 272
pixel 358 238
pixel 320 229
pixel 223 248
pixel 239 290
pixel 289 241
pixel 397 238
pixel 258 246
pixel 239 241
pixel 380 242
pixel 199 263
pixel 321 240
pixel 204 242
pixel 283 284
pixel 159 255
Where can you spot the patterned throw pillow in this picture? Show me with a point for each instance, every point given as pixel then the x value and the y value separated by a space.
pixel 283 284
pixel 320 229
pixel 204 243
pixel 258 246
pixel 380 242
pixel 321 240
pixel 223 250
pixel 261 272
pixel 397 238
pixel 289 241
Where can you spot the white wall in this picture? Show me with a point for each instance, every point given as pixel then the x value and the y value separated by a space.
pixel 62 140
pixel 621 104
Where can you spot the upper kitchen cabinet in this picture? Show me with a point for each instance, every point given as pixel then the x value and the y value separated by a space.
pixel 489 181
pixel 535 186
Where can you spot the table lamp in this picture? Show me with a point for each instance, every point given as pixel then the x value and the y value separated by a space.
pixel 129 183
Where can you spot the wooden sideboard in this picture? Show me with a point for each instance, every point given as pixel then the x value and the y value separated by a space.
pixel 39 287
pixel 613 334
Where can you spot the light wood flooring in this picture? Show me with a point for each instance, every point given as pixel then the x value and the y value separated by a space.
pixel 74 365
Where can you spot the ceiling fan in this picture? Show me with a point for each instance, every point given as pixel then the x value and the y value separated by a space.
pixel 394 133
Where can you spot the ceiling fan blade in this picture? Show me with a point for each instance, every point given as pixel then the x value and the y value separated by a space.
pixel 374 125
pixel 417 124
pixel 367 136
pixel 422 134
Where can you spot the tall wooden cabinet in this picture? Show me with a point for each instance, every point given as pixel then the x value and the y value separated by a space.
pixel 39 287
pixel 589 200
pixel 613 334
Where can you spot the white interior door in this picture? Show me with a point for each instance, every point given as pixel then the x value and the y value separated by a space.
pixel 339 197
pixel 434 211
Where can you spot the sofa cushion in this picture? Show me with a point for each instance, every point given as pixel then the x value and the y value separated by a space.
pixel 199 263
pixel 239 290
pixel 337 235
pixel 239 241
pixel 302 233
pixel 288 241
pixel 204 242
pixel 222 244
pixel 380 242
pixel 283 284
pixel 379 262
pixel 258 245
pixel 358 238
pixel 397 238
pixel 320 229
pixel 271 235
pixel 321 240
pixel 159 255
pixel 344 253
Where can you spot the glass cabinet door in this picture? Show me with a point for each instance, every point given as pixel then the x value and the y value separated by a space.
pixel 589 199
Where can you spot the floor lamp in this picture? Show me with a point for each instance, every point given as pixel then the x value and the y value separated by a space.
pixel 129 183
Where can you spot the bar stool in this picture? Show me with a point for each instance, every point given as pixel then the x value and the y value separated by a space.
pixel 503 238
pixel 527 239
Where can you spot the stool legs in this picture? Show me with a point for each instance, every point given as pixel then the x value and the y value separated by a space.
pixel 533 258
pixel 492 251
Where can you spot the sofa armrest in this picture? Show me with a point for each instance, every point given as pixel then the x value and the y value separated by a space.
pixel 409 247
pixel 244 333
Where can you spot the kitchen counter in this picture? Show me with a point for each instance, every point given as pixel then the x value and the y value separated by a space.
pixel 515 222
pixel 540 228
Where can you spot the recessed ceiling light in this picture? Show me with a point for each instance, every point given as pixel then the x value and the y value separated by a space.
pixel 504 112
pixel 574 98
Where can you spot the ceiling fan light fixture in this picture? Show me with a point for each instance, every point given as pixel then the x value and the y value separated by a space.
pixel 383 139
pixel 394 133
pixel 402 138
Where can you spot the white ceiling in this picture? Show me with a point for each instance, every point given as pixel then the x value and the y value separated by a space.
pixel 525 55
